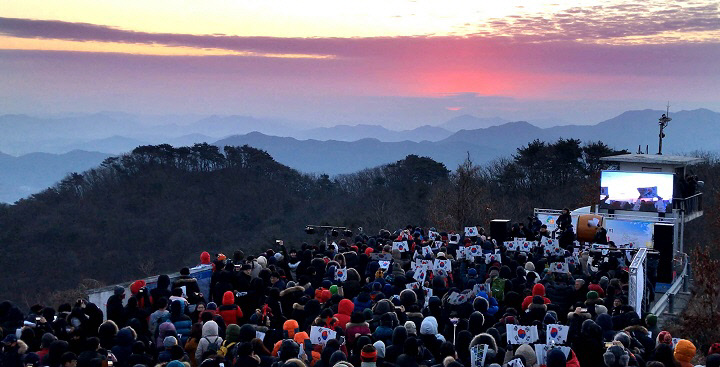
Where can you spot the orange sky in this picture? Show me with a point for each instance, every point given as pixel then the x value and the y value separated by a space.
pixel 124 54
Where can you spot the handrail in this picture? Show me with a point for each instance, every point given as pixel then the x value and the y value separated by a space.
pixel 667 299
pixel 689 197
pixel 625 217
pixel 690 204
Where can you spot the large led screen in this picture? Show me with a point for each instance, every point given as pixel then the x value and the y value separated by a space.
pixel 639 191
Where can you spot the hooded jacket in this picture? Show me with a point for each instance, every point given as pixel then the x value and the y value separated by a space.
pixel 345 310
pixel 209 335
pixel 123 349
pixel 527 352
pixel 229 311
pixel 182 322
pixel 165 329
pixel 538 290
pixel 685 352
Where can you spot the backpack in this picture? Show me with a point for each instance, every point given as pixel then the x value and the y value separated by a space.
pixel 225 349
pixel 213 347
pixel 497 287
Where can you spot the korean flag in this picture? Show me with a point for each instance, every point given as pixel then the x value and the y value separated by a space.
pixel 471 231
pixel 557 334
pixel 321 335
pixel 518 334
pixel 401 246
pixel 559 267
pixel 341 274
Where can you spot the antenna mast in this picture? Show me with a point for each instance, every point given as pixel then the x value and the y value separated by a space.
pixel 663 122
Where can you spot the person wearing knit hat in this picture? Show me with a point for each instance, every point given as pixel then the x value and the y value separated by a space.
pixel 592 296
pixel 169 341
pixel 604 281
pixel 616 356
pixel 368 356
pixel 175 363
pixel 714 349
pixel 664 337
pixel 597 288
pixel 685 352
pixel 333 289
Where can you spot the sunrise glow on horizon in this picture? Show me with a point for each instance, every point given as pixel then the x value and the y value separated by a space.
pixel 277 52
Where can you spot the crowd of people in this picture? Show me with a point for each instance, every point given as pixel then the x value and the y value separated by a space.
pixel 415 297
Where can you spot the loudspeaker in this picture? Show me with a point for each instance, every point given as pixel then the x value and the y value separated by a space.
pixel 500 230
pixel 663 243
pixel 587 226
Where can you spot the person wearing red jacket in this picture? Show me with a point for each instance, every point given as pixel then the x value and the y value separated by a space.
pixel 538 290
pixel 345 310
pixel 229 311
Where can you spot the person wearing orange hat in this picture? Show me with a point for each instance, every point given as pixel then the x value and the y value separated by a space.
pixel 303 340
pixel 290 328
pixel 685 352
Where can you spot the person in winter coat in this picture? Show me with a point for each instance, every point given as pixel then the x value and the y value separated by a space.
pixel 192 290
pixel 396 348
pixel 385 330
pixel 182 322
pixel 605 322
pixel 162 290
pixel 430 336
pixel 345 310
pixel 589 346
pixel 528 353
pixel 123 349
pixel 537 290
pixel 138 356
pixel 616 356
pixel 230 312
pixel 164 330
pixel 356 327
pixel 209 337
pixel 290 328
pixel 192 343
pixel 115 308
pixel 685 352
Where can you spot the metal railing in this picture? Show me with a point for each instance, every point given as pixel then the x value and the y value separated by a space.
pixel 689 204
pixel 667 301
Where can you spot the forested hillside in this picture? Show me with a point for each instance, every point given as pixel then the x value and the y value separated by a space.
pixel 156 209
